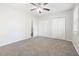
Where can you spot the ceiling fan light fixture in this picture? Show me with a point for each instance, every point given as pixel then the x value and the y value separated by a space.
pixel 40 7
pixel 39 10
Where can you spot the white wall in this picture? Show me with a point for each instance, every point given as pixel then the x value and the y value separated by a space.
pixel 76 28
pixel 47 32
pixel 15 23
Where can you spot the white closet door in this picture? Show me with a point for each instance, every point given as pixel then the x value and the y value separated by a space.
pixel 43 28
pixel 58 28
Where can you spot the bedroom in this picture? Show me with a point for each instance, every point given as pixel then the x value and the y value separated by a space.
pixel 53 32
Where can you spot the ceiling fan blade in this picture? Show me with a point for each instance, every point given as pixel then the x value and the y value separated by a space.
pixel 33 4
pixel 45 3
pixel 33 9
pixel 46 9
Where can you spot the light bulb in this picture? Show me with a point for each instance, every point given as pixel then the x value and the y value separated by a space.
pixel 39 10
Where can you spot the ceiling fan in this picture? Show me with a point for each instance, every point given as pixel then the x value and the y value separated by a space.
pixel 39 7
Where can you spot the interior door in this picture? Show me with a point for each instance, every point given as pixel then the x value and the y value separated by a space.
pixel 43 28
pixel 58 28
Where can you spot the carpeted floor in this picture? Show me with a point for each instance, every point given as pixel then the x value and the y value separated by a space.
pixel 39 46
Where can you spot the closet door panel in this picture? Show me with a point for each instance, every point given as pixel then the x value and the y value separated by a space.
pixel 58 28
pixel 43 28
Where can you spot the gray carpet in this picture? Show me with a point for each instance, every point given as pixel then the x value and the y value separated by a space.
pixel 39 46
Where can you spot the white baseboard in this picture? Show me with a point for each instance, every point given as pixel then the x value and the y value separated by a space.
pixel 10 42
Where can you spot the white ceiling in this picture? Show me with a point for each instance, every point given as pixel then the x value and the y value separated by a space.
pixel 54 7
pixel 59 7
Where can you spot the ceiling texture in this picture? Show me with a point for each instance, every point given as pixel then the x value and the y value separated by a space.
pixel 57 7
pixel 54 7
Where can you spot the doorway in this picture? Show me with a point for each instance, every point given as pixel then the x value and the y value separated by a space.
pixel 54 28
